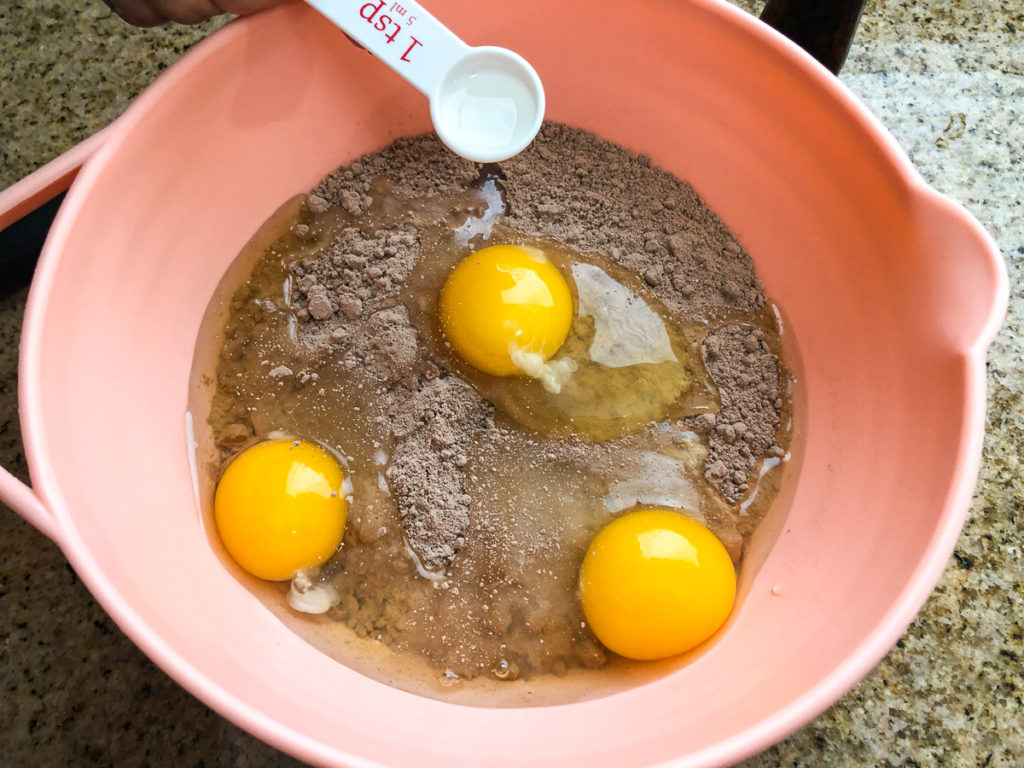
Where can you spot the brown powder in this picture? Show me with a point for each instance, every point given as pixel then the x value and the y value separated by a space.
pixel 747 376
pixel 591 194
pixel 354 278
pixel 347 302
pixel 569 186
pixel 419 167
pixel 433 429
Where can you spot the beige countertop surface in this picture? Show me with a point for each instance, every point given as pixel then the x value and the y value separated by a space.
pixel 947 78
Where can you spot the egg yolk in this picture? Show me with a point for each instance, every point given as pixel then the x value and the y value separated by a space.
pixel 655 583
pixel 506 309
pixel 280 507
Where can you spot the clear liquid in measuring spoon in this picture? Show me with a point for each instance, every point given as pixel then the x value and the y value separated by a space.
pixel 489 110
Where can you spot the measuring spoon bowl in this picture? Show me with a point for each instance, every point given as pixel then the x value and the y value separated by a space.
pixel 486 103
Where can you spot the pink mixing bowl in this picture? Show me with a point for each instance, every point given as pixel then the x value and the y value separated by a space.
pixel 891 295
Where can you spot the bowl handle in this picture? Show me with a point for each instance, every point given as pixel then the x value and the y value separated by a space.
pixel 823 28
pixel 27 210
pixel 23 500
pixel 969 289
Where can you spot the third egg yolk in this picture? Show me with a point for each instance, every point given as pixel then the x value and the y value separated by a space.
pixel 280 507
pixel 655 583
pixel 504 302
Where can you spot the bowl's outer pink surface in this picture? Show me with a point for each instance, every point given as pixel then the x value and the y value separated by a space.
pixel 891 292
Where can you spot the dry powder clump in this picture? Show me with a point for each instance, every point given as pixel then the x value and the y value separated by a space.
pixel 415 168
pixel 355 276
pixel 574 187
pixel 746 373
pixel 347 302
pixel 433 430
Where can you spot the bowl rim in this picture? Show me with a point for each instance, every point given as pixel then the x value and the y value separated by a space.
pixel 877 640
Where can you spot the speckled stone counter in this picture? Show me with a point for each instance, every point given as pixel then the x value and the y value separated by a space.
pixel 947 78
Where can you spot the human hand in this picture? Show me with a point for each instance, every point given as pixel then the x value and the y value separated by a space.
pixel 150 13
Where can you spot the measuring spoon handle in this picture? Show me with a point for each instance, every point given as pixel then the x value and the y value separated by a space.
pixel 401 34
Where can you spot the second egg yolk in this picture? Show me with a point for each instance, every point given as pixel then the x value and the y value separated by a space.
pixel 655 583
pixel 506 309
pixel 280 507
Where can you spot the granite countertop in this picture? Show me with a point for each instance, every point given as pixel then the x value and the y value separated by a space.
pixel 946 78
